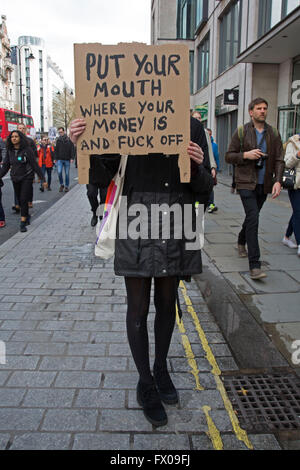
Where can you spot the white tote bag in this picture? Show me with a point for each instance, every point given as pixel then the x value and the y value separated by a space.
pixel 106 230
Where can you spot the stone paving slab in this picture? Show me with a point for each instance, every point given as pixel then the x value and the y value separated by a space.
pixel 69 381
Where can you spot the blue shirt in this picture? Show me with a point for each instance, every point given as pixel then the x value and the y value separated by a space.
pixel 216 153
pixel 263 148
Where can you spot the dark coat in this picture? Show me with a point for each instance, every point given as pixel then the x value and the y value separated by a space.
pixel 64 149
pixel 22 165
pixel 155 180
pixel 246 174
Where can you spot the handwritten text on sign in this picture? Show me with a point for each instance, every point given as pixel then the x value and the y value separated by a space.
pixel 135 99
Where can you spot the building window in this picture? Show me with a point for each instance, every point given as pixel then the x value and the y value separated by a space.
pixel 230 36
pixel 191 16
pixel 201 10
pixel 272 12
pixel 153 28
pixel 203 63
pixel 289 6
pixel 185 19
pixel 28 84
pixel 191 56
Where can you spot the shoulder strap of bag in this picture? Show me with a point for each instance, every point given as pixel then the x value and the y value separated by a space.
pixel 241 136
pixel 122 166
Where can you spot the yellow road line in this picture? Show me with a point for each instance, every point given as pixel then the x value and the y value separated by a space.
pixel 239 432
pixel 189 353
pixel 213 433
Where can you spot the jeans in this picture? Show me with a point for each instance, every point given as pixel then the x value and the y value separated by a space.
pixel 2 215
pixel 211 198
pixel 49 173
pixel 294 223
pixel 252 202
pixel 66 165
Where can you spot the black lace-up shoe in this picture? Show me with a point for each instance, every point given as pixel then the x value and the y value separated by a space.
pixel 94 220
pixel 148 399
pixel 167 392
pixel 23 226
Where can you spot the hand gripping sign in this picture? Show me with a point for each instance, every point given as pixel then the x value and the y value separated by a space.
pixel 135 100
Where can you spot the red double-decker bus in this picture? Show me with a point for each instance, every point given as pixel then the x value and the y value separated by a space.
pixel 10 119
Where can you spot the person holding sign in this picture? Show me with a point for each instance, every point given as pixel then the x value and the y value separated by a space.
pixel 152 179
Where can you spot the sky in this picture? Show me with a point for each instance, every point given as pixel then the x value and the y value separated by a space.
pixel 61 23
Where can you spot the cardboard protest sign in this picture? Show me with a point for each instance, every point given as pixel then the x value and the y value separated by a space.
pixel 135 100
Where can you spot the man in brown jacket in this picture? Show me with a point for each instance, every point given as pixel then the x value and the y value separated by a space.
pixel 256 151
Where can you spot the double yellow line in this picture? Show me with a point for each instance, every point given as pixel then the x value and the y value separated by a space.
pixel 213 432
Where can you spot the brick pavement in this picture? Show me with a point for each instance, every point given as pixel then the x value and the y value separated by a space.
pixel 69 380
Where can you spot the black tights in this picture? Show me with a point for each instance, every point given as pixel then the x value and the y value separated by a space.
pixel 138 300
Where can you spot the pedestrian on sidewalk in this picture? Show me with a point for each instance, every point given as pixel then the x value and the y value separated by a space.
pixel 2 213
pixel 46 155
pixel 94 190
pixel 22 164
pixel 292 160
pixel 147 181
pixel 256 151
pixel 212 165
pixel 22 128
pixel 64 156
pixel 211 203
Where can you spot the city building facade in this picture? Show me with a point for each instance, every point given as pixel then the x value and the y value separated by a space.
pixel 39 79
pixel 55 85
pixel 239 49
pixel 7 89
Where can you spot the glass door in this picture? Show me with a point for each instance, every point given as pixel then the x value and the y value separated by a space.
pixel 288 121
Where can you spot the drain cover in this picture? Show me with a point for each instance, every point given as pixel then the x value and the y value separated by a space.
pixel 265 402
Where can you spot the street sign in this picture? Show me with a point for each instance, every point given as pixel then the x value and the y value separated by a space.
pixel 231 97
pixel 203 110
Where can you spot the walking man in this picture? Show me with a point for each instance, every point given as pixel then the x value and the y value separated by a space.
pixel 256 151
pixel 212 166
pixel 95 189
pixel 2 157
pixel 64 156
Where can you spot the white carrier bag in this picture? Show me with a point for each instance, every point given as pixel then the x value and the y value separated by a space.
pixel 106 229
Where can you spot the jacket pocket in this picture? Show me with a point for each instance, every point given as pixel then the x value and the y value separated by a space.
pixel 245 174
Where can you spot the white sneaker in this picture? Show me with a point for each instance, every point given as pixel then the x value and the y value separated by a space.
pixel 298 253
pixel 289 243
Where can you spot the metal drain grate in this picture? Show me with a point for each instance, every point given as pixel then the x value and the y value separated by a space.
pixel 265 402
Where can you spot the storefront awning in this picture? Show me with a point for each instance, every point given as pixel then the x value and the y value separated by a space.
pixel 278 45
